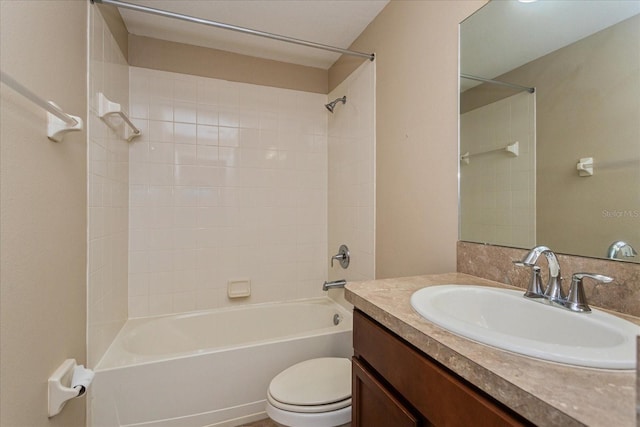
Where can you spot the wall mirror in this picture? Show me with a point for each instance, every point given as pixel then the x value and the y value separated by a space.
pixel 550 126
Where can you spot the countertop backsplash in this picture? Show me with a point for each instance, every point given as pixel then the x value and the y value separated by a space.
pixel 495 263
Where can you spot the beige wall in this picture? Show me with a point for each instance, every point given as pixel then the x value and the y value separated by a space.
pixel 117 27
pixel 43 201
pixel 182 58
pixel 416 46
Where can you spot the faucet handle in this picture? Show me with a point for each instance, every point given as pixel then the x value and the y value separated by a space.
pixel 522 264
pixel 576 300
pixel 535 289
pixel 342 256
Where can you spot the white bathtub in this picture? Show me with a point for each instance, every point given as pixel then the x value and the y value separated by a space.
pixel 210 368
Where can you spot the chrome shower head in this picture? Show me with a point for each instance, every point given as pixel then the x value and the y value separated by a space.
pixel 330 106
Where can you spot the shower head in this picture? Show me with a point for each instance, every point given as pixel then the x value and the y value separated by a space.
pixel 330 106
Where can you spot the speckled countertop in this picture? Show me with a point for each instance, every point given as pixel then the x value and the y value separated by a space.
pixel 546 393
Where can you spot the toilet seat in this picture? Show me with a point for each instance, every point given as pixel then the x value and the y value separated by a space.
pixel 314 393
pixel 339 418
pixel 309 409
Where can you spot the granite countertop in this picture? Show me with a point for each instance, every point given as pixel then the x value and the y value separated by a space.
pixel 546 393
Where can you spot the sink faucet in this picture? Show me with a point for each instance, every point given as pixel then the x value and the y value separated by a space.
pixel 576 300
pixel 553 291
pixel 621 249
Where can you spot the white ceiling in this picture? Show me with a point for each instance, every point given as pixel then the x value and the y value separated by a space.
pixel 504 35
pixel 332 22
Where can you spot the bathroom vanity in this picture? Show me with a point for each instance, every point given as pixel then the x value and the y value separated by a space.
pixel 408 371
pixel 433 394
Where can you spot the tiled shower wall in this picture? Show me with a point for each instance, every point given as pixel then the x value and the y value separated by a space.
pixel 497 190
pixel 108 173
pixel 228 182
pixel 352 174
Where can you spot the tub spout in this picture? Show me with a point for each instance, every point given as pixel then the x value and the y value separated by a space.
pixel 334 284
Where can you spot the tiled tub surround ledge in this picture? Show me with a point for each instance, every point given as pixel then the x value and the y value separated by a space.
pixel 495 263
pixel 545 393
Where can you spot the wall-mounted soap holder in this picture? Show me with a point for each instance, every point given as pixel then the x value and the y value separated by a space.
pixel 69 381
pixel 239 288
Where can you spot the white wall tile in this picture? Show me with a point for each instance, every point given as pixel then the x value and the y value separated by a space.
pixel 160 131
pixel 160 84
pixel 230 184
pixel 207 135
pixel 160 304
pixel 228 136
pixel 161 152
pixel 108 177
pixel 184 112
pixel 160 109
pixel 138 306
pixel 185 133
pixel 186 89
pixel 350 147
pixel 185 154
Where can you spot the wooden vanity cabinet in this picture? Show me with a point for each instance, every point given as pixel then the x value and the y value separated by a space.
pixel 396 385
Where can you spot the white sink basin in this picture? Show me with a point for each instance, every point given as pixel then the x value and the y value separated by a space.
pixel 505 319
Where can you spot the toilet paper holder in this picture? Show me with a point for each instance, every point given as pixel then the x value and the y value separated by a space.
pixel 69 381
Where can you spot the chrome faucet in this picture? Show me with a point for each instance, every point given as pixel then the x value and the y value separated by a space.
pixel 621 249
pixel 535 289
pixel 553 291
pixel 334 284
pixel 575 301
pixel 343 257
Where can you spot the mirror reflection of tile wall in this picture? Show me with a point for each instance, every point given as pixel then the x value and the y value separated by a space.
pixel 497 188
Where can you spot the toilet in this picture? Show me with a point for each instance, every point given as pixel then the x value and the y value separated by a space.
pixel 313 393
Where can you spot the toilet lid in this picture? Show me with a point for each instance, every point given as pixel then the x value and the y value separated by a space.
pixel 313 382
pixel 309 409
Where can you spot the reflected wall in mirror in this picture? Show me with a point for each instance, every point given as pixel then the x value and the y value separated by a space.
pixel 583 59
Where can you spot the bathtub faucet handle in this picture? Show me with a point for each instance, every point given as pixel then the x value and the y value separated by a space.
pixel 342 256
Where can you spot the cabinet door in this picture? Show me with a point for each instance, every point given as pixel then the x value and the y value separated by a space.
pixel 374 405
pixel 436 394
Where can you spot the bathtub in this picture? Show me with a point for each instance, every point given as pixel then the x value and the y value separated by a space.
pixel 210 368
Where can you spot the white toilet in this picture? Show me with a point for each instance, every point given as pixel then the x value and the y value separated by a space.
pixel 313 393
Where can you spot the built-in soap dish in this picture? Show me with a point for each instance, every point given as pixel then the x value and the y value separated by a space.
pixel 239 288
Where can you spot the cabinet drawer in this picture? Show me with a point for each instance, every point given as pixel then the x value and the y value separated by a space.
pixel 440 396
